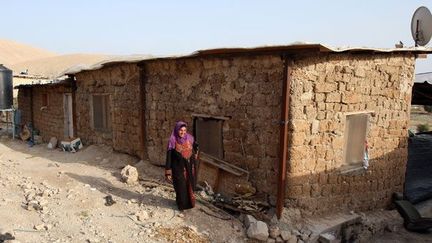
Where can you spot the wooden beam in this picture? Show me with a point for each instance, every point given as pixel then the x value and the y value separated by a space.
pixel 283 141
pixel 221 164
pixel 225 118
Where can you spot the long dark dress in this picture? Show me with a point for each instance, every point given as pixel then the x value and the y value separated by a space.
pixel 181 162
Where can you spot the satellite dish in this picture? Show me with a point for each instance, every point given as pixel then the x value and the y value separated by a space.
pixel 421 26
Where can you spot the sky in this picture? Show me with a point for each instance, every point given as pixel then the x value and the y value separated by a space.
pixel 180 27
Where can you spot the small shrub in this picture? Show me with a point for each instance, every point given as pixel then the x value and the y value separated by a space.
pixel 422 128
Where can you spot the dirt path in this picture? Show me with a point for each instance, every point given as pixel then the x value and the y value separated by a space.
pixel 53 196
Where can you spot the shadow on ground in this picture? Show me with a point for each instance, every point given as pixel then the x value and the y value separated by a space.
pixel 106 187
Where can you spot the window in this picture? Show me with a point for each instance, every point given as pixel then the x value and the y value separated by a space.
pixel 101 112
pixel 208 133
pixel 355 138
pixel 44 100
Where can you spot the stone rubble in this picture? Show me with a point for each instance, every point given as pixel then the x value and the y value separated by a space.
pixel 140 206
pixel 327 238
pixel 129 174
pixel 36 197
pixel 274 231
pixel 258 230
pixel 286 235
pixel 279 239
pixel 248 220
pixel 142 216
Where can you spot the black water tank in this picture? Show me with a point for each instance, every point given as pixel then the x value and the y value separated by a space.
pixel 6 89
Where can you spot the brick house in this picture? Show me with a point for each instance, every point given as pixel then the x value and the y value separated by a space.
pixel 297 118
pixel 49 107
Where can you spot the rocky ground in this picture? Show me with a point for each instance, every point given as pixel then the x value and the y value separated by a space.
pixel 419 116
pixel 53 196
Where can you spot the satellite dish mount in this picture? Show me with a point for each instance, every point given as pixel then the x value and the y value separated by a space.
pixel 421 26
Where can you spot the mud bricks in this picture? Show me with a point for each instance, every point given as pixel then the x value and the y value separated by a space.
pixel 324 90
pixel 121 83
pixel 246 89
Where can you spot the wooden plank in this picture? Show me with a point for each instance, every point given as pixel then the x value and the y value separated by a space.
pixel 224 164
pixel 207 172
pixel 421 56
pixel 219 166
pixel 210 116
pixel 217 182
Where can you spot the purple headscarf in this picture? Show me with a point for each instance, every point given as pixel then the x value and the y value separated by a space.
pixel 176 138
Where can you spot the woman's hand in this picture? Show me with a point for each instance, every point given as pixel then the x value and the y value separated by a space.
pixel 168 176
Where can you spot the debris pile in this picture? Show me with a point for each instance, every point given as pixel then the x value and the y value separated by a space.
pixel 274 231
pixel 247 201
pixel 252 205
pixel 36 197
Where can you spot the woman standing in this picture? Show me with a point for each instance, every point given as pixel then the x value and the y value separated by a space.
pixel 180 166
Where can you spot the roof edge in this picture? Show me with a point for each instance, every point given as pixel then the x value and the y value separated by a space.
pixel 290 48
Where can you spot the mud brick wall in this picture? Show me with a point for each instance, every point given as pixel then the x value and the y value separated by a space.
pixel 246 89
pixel 325 89
pixel 50 120
pixel 121 83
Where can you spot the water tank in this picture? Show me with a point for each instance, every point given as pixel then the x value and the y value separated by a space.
pixel 6 89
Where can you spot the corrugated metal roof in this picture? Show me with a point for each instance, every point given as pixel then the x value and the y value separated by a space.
pixel 116 59
pixel 63 82
pixel 291 48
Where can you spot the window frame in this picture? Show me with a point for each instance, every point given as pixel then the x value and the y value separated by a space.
pixel 346 164
pixel 106 106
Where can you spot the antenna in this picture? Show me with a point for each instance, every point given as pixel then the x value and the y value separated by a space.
pixel 421 26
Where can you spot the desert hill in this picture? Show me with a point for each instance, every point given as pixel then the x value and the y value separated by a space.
pixel 21 57
pixel 51 67
pixel 12 52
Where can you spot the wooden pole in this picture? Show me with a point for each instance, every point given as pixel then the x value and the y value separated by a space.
pixel 283 142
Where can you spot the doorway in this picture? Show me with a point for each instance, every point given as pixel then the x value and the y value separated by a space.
pixel 68 115
pixel 208 133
